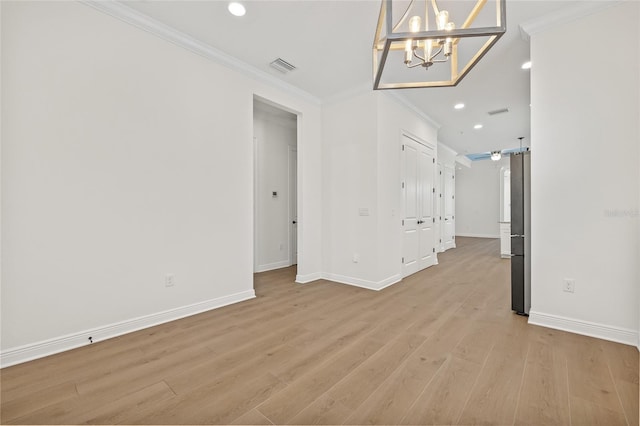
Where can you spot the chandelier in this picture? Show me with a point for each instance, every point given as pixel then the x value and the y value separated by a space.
pixel 431 43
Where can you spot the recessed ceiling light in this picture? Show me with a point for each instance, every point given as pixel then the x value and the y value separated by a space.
pixel 478 126
pixel 236 9
pixel 459 106
pixel 526 65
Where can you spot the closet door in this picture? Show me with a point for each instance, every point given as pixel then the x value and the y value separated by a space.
pixel 449 207
pixel 418 195
pixel 426 223
pixel 410 204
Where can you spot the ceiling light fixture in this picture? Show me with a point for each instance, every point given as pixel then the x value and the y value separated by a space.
pixel 424 35
pixel 496 155
pixel 526 65
pixel 478 126
pixel 459 106
pixel 236 9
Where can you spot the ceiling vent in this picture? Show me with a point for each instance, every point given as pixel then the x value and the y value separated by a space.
pixel 498 111
pixel 282 65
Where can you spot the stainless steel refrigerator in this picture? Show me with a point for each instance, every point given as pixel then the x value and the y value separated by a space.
pixel 520 232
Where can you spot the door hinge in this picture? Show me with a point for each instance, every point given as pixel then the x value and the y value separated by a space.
pixel 402 184
pixel 403 260
pixel 453 217
pixel 453 197
pixel 434 220
pixel 402 222
pixel 403 147
pixel 434 190
pixel 440 240
pixel 441 172
pixel 434 160
pixel 434 249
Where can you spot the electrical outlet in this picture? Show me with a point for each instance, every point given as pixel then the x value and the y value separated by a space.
pixel 169 280
pixel 569 285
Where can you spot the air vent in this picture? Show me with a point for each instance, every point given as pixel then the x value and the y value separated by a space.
pixel 498 111
pixel 282 65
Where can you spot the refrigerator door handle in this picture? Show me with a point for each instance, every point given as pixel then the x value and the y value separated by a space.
pixel 517 235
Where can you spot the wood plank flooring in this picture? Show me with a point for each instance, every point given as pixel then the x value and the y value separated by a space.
pixel 441 347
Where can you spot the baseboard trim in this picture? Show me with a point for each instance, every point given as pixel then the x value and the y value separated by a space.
pixel 56 345
pixel 272 266
pixel 307 278
pixel 478 235
pixel 586 328
pixel 357 282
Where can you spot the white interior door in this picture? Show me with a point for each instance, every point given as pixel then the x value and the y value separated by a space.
pixel 293 205
pixel 418 193
pixel 439 209
pixel 410 246
pixel 426 223
pixel 449 207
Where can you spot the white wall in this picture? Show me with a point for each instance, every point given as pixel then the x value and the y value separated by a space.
pixel 125 157
pixel 478 199
pixel 350 182
pixel 361 161
pixel 275 135
pixel 585 182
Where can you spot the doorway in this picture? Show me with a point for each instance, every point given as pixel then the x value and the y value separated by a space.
pixel 275 133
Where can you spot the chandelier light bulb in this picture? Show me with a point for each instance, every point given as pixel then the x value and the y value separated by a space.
pixel 443 19
pixel 236 9
pixel 408 50
pixel 414 24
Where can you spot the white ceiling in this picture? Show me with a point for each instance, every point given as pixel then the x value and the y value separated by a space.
pixel 330 44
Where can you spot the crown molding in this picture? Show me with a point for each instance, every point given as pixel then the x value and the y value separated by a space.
pixel 565 15
pixel 443 147
pixel 172 35
pixel 367 88
pixel 404 101
pixel 348 94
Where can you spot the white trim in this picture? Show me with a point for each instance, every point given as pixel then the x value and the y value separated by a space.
pixel 303 279
pixel 272 266
pixel 565 15
pixel 463 160
pixel 357 282
pixel 443 147
pixel 170 34
pixel 478 235
pixel 586 328
pixel 75 340
pixel 360 89
pixel 405 102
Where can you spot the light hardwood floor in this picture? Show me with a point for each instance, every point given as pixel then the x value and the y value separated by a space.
pixel 441 347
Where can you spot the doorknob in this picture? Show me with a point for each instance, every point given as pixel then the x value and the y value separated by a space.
pixel 294 222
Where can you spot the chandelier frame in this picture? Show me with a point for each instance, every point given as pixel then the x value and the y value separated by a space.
pixel 392 40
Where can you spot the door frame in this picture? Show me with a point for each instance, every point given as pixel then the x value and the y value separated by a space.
pixel 293 207
pixel 256 206
pixel 433 147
